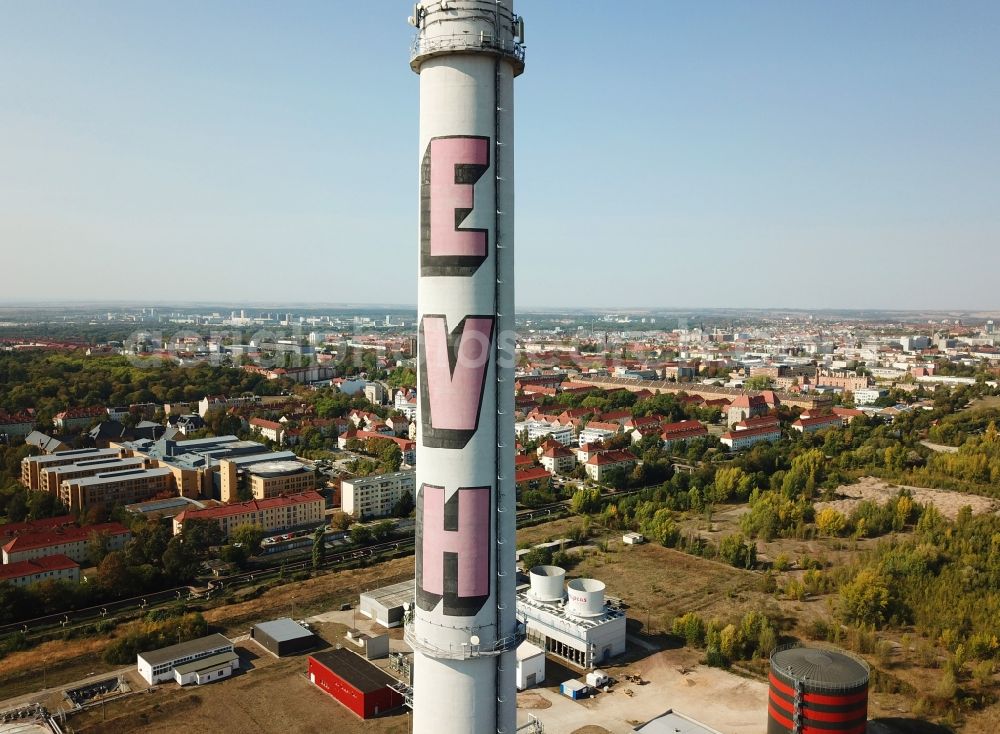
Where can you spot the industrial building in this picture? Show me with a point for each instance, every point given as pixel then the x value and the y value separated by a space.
pixel 813 689
pixel 376 495
pixel 673 722
pixel 283 637
pixel 574 623
pixel 157 666
pixel 387 606
pixel 530 665
pixel 354 682
pixel 206 670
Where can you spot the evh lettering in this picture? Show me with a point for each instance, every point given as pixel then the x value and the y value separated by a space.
pixel 452 551
pixel 448 174
pixel 452 369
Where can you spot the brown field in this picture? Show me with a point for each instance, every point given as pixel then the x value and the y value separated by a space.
pixel 946 501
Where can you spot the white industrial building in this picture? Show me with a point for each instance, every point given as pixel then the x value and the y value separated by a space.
pixel 571 621
pixel 157 666
pixel 388 606
pixel 530 665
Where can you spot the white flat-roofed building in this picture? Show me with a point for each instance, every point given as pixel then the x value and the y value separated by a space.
pixel 376 495
pixel 574 623
pixel 543 429
pixel 387 606
pixel 157 666
pixel 868 396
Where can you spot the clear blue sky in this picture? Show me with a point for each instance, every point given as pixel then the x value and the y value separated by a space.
pixel 677 154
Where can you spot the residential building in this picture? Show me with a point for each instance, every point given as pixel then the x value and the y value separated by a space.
pixel 221 402
pixel 529 478
pixel 275 514
pixel 598 431
pixel 52 478
pixel 13 529
pixel 542 429
pixel 843 379
pixel 761 421
pixel 745 406
pixel 405 402
pixel 869 396
pixel 270 430
pixel 747 437
pixel 599 465
pixel 46 568
pixel 16 425
pixel 558 460
pixel 32 466
pixel 815 423
pixel 407 447
pixel 375 496
pixel 674 433
pixel 375 392
pixel 76 418
pixel 847 415
pixel 116 488
pixel 67 540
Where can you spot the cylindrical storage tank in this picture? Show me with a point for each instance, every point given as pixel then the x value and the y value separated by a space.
pixel 586 597
pixel 817 691
pixel 547 583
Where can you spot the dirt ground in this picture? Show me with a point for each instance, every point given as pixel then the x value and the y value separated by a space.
pixel 947 502
pixel 269 695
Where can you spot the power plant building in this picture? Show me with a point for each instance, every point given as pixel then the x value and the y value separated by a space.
pixel 387 606
pixel 815 690
pixel 573 621
pixel 283 637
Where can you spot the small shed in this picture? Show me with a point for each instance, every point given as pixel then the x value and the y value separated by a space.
pixel 283 637
pixel 633 538
pixel 530 665
pixel 574 689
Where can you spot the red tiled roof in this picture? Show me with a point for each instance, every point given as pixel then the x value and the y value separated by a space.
pixel 530 475
pixel 16 570
pixel 33 526
pixel 760 421
pixel 523 460
pixel 212 513
pixel 61 536
pixel 610 457
pixel 765 430
pixel 91 412
pixel 555 452
pixel 261 423
pixel 817 420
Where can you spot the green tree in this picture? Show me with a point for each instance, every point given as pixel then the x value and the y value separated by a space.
pixel 865 600
pixel 249 536
pixel 735 551
pixel 319 547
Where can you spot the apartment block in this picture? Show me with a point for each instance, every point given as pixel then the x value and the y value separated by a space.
pixel 375 496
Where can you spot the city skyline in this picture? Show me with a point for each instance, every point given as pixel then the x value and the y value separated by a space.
pixel 787 143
